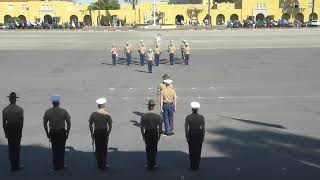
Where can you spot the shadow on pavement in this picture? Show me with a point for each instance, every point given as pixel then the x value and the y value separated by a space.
pixel 138 113
pixel 256 155
pixel 135 123
pixel 267 154
pixel 255 122
pixel 141 71
pixel 122 61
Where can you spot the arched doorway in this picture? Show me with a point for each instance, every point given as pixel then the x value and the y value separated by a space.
pixel 87 20
pixel 285 16
pixel 220 19
pixel 207 19
pixel 313 16
pixel 179 19
pixel 22 18
pixel 299 17
pixel 7 19
pixel 260 17
pixel 234 17
pixel 47 19
pixel 73 18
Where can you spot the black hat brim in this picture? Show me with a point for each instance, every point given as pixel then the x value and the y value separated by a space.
pixel 13 97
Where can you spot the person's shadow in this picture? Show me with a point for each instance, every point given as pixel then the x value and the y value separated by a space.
pixel 135 123
pixel 138 113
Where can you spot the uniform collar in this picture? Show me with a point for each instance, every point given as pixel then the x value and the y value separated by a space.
pixel 102 111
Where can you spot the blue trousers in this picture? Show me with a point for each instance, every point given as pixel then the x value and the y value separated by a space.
pixel 157 59
pixel 128 57
pixel 168 110
pixel 182 55
pixel 171 58
pixel 114 56
pixel 150 66
pixel 142 57
pixel 186 60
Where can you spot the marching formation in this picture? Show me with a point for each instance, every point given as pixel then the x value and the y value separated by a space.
pixel 57 125
pixel 152 55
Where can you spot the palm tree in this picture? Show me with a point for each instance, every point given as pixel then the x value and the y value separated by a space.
pixel 194 12
pixel 133 2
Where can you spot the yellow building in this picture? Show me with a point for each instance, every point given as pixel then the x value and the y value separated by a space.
pixel 66 11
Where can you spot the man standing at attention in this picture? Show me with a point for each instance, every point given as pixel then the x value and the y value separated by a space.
pixel 12 119
pixel 187 51
pixel 182 46
pixel 114 54
pixel 58 134
pixel 171 51
pixel 195 130
pixel 102 122
pixel 142 51
pixel 150 56
pixel 151 127
pixel 127 51
pixel 157 52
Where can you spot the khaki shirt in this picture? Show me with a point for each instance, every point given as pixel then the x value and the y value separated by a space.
pixel 150 56
pixel 168 95
pixel 172 49
pixel 187 50
pixel 142 49
pixel 101 119
pixel 12 114
pixel 128 49
pixel 157 50
pixel 57 117
pixel 114 50
pixel 161 86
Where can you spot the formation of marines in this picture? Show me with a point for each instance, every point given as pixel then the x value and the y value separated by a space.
pixel 57 125
pixel 152 55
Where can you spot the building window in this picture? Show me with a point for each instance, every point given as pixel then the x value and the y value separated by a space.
pixel 24 7
pixel 261 6
pixel 283 5
pixel 46 7
pixel 10 7
pixel 310 4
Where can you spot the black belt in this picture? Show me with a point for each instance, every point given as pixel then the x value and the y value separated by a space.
pixel 195 129
pixel 168 103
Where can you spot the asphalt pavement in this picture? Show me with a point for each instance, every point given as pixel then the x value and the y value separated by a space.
pixel 259 92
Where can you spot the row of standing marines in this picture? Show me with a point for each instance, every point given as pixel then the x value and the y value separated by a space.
pixel 152 54
pixel 100 125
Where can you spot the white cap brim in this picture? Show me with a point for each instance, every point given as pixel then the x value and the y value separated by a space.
pixel 195 105
pixel 101 101
pixel 167 81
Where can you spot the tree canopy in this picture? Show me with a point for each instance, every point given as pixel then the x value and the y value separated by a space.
pixel 194 13
pixel 185 1
pixel 105 5
pixel 132 2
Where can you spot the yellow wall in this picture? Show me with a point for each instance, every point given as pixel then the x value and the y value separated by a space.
pixel 143 11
